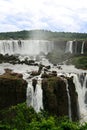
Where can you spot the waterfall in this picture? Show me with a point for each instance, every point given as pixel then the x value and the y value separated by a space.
pixel 34 98
pixel 29 95
pixel 81 90
pixel 23 47
pixel 85 89
pixel 38 103
pixel 69 101
pixel 9 47
pixel 82 49
pixel 69 47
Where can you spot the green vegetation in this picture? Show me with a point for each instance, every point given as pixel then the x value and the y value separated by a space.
pixel 42 34
pixel 14 35
pixel 80 62
pixel 21 117
pixel 56 57
pixel 59 56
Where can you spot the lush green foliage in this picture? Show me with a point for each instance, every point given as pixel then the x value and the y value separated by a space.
pixel 58 56
pixel 21 117
pixel 79 61
pixel 42 34
pixel 14 35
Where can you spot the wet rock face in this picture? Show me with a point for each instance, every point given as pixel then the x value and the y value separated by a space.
pixel 12 89
pixel 55 98
pixel 74 100
pixel 85 47
pixel 60 44
pixel 34 83
pixel 77 47
pixel 51 74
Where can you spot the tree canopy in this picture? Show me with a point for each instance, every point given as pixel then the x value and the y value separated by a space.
pixel 42 34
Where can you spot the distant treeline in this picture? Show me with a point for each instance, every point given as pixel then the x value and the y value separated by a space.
pixel 42 34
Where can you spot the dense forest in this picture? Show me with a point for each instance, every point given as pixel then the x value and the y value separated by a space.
pixel 21 117
pixel 42 34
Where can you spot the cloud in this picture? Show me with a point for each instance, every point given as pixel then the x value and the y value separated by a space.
pixel 55 15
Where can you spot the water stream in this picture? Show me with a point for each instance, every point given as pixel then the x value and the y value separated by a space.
pixel 69 47
pixel 82 49
pixel 69 102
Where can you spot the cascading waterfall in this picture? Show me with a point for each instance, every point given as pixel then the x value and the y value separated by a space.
pixel 38 103
pixel 29 47
pixel 69 101
pixel 34 98
pixel 75 47
pixel 30 94
pixel 82 49
pixel 69 47
pixel 33 47
pixel 9 47
pixel 85 90
pixel 81 90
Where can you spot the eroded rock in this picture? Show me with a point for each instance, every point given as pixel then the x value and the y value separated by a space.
pixel 12 89
pixel 55 97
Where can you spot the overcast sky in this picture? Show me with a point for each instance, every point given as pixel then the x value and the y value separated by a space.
pixel 54 15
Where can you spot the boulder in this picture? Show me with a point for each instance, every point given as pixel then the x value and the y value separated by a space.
pixel 34 73
pixel 49 75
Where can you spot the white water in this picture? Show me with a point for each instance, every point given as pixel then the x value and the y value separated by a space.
pixel 85 97
pixel 38 103
pixel 81 90
pixel 29 95
pixel 80 93
pixel 69 102
pixel 29 47
pixel 69 47
pixel 82 49
pixel 34 99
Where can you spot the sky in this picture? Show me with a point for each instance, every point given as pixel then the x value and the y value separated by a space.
pixel 53 15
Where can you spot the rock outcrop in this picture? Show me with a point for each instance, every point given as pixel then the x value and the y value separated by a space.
pixel 85 47
pixel 55 98
pixel 74 100
pixel 12 89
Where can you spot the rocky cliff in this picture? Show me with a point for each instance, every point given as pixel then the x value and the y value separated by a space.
pixel 55 98
pixel 74 99
pixel 12 89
